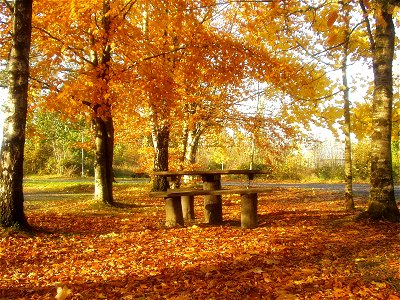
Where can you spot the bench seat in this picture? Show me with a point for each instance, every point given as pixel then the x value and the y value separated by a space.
pixel 197 192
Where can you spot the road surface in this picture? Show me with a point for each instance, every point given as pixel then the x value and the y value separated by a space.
pixel 360 189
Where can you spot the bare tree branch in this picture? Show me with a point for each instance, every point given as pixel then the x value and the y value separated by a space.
pixel 9 6
pixel 368 24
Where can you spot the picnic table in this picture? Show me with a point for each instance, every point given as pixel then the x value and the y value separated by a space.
pixel 179 202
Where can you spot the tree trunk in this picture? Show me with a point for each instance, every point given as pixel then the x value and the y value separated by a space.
pixel 348 193
pixel 382 204
pixel 191 140
pixel 15 110
pixel 160 143
pixel 192 132
pixel 184 142
pixel 103 165
pixel 102 114
pixel 192 146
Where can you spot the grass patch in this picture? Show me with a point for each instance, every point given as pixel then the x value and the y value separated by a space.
pixel 71 196
pixel 55 186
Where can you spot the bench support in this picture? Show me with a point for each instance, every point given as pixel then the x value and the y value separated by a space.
pixel 212 203
pixel 179 205
pixel 248 210
pixel 173 212
pixel 188 208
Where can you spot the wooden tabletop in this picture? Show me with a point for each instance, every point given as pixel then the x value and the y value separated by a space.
pixel 210 172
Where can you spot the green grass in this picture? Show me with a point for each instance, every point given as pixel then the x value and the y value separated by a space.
pixel 75 185
pixel 75 195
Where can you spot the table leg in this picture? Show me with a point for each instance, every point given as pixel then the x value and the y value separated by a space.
pixel 173 212
pixel 248 214
pixel 188 208
pixel 212 203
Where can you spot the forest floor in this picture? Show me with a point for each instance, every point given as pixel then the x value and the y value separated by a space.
pixel 306 247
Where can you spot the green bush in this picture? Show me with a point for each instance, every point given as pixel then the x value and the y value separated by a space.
pixel 289 169
pixel 330 172
pixel 53 145
pixel 36 156
pixel 361 160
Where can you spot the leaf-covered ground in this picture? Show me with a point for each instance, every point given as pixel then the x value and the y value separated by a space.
pixel 306 247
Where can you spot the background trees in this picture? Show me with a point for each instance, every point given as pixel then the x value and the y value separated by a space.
pixel 179 77
pixel 81 66
pixel 55 145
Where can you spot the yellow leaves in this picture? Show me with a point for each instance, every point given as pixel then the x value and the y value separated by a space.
pixel 315 257
pixel 257 270
pixel 79 10
pixel 62 291
pixel 283 294
pixel 73 10
pixel 332 16
pixel 146 71
pixel 208 268
pixel 335 38
pixel 243 257
pixel 379 284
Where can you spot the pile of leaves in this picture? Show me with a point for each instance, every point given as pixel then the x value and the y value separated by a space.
pixel 305 247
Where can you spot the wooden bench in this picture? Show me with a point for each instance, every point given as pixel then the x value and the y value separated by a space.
pixel 211 182
pixel 179 204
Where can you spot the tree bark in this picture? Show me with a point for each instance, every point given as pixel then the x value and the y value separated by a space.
pixel 184 142
pixel 160 135
pixel 192 145
pixel 192 132
pixel 382 204
pixel 103 165
pixel 102 115
pixel 15 110
pixel 348 192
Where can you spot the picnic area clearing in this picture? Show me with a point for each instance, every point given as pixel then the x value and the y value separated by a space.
pixel 306 246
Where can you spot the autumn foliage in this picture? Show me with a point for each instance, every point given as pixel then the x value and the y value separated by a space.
pixel 170 72
pixel 177 66
pixel 305 247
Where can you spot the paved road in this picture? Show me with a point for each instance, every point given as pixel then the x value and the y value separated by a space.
pixel 361 189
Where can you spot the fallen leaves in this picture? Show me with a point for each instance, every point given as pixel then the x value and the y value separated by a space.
pixel 312 250
pixel 62 291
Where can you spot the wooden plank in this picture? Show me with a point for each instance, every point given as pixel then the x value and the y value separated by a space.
pixel 239 191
